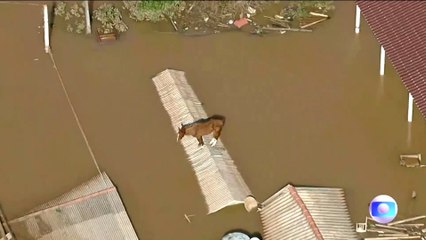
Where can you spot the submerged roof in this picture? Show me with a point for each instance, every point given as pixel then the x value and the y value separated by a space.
pixel 399 28
pixel 93 210
pixel 307 213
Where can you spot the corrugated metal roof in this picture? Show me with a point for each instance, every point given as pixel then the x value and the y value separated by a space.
pixel 399 28
pixel 218 177
pixel 91 211
pixel 306 213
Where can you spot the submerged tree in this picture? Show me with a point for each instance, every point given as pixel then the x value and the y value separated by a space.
pixel 296 10
pixel 110 18
pixel 73 16
pixel 151 10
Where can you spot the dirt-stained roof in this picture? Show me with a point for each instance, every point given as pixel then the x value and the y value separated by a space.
pixel 399 28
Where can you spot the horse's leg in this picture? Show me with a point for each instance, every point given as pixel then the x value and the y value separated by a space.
pixel 200 141
pixel 216 136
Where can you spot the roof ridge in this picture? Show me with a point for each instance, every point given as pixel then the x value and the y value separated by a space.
pixel 293 192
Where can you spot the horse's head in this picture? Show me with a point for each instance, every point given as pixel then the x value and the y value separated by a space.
pixel 181 132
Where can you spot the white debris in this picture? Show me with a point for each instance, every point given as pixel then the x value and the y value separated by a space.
pixel 251 10
pixel 206 19
pixel 231 21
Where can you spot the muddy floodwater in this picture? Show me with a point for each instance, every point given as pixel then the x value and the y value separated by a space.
pixel 301 108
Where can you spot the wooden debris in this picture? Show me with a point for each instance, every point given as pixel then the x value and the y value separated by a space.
pixel 280 23
pixel 286 29
pixel 411 160
pixel 396 230
pixel 390 227
pixel 407 220
pixel 313 23
pixel 276 19
pixel 418 225
pixel 223 25
pixel 319 14
pixel 394 235
pixel 187 217
pixel 102 37
pixel 174 24
pixel 190 8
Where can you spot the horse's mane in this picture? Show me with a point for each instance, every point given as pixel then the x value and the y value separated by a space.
pixel 202 120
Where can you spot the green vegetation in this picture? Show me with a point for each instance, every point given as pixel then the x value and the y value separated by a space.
pixel 110 18
pixel 151 10
pixel 300 9
pixel 73 16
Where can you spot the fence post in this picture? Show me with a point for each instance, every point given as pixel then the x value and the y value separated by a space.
pixel 410 107
pixel 46 29
pixel 87 13
pixel 382 61
pixel 357 18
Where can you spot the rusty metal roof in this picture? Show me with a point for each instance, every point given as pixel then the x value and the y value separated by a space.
pixel 399 28
pixel 307 213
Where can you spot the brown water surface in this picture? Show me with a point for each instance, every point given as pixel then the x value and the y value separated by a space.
pixel 305 108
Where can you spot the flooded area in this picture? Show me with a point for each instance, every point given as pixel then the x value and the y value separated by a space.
pixel 301 108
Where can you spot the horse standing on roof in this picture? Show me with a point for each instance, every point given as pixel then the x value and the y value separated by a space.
pixel 202 127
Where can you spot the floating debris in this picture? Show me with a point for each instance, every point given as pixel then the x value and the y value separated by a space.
pixel 319 14
pixel 231 21
pixel 286 29
pixel 187 217
pixel 394 230
pixel 279 17
pixel 241 22
pixel 174 24
pixel 251 10
pixel 411 160
pixel 313 23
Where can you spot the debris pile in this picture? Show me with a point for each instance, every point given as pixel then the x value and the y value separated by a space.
pixel 201 18
pixel 411 160
pixel 402 229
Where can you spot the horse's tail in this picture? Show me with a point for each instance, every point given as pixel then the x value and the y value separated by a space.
pixel 218 117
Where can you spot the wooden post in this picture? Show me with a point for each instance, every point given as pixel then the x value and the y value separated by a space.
pixel 46 29
pixel 410 107
pixel 87 13
pixel 382 61
pixel 357 18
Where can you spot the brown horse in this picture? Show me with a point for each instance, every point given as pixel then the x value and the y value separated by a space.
pixel 203 127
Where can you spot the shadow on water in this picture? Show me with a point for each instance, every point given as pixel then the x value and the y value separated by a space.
pixel 409 127
pixel 380 89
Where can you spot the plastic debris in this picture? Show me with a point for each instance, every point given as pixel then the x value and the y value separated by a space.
pixel 251 10
pixel 241 22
